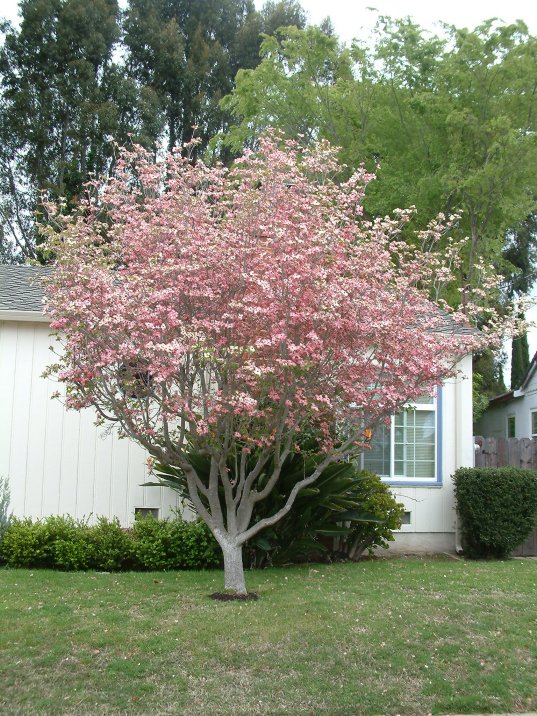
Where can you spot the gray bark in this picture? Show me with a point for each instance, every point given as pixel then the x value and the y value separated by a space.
pixel 233 567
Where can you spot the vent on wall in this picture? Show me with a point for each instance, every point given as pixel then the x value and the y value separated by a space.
pixel 406 518
pixel 146 512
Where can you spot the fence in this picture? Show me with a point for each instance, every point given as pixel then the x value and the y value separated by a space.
pixel 497 452
pixel 516 452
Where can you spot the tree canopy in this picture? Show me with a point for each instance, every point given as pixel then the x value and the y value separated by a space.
pixel 448 124
pixel 77 78
pixel 225 312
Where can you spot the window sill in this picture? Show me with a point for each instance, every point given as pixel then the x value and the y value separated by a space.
pixel 412 483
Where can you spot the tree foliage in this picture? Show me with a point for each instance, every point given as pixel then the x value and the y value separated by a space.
pixel 59 106
pixel 76 75
pixel 520 360
pixel 449 123
pixel 224 312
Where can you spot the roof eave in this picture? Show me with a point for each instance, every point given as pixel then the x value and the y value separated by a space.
pixel 29 316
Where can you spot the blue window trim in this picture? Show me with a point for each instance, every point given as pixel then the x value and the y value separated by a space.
pixel 439 451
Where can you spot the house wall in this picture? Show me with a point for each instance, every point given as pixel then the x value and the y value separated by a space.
pixel 493 422
pixel 58 461
pixel 433 520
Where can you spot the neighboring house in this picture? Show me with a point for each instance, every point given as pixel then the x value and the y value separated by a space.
pixel 58 462
pixel 512 414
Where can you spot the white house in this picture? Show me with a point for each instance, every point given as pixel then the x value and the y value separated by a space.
pixel 513 414
pixel 58 462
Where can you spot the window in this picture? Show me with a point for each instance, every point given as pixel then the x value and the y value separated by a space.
pixel 511 426
pixel 407 450
pixel 534 423
pixel 146 512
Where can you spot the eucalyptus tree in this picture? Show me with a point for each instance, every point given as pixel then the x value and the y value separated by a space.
pixel 188 53
pixel 59 107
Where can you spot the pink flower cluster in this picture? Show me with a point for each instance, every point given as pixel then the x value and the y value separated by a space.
pixel 257 300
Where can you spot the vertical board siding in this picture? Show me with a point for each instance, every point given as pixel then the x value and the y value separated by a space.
pixel 19 428
pixel 52 454
pixel 8 362
pixel 58 461
pixel 86 466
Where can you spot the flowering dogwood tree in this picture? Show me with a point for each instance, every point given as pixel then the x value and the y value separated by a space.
pixel 224 311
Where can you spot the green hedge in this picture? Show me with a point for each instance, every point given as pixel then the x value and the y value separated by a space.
pixel 497 508
pixel 174 544
pixel 68 544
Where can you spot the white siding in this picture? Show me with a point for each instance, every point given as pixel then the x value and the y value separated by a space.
pixel 432 509
pixel 58 461
pixel 493 422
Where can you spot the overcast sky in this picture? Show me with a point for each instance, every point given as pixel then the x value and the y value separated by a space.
pixel 355 18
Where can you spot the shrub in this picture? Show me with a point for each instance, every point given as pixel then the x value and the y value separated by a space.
pixel 55 542
pixel 151 543
pixel 22 545
pixel 68 544
pixel 345 512
pixel 375 499
pixel 196 547
pixel 174 544
pixel 497 509
pixel 113 547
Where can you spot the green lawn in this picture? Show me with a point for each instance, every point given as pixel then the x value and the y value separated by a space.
pixel 395 636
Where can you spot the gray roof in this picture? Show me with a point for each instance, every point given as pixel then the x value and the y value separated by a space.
pixel 20 288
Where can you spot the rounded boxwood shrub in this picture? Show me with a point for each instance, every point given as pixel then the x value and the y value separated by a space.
pixel 22 545
pixel 113 547
pixel 55 542
pixel 497 508
pixel 174 544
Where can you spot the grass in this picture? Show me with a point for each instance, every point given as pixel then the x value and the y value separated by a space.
pixel 399 636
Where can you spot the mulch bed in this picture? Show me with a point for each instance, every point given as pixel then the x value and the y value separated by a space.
pixel 230 597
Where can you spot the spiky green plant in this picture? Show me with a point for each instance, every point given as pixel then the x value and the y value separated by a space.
pixel 5 514
pixel 346 512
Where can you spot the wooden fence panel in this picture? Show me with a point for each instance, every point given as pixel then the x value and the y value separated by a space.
pixel 514 452
pixel 497 452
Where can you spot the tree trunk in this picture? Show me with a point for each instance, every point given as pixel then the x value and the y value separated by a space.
pixel 233 568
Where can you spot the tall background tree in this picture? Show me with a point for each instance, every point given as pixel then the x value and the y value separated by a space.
pixel 449 123
pixel 520 253
pixel 77 77
pixel 188 53
pixel 59 108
